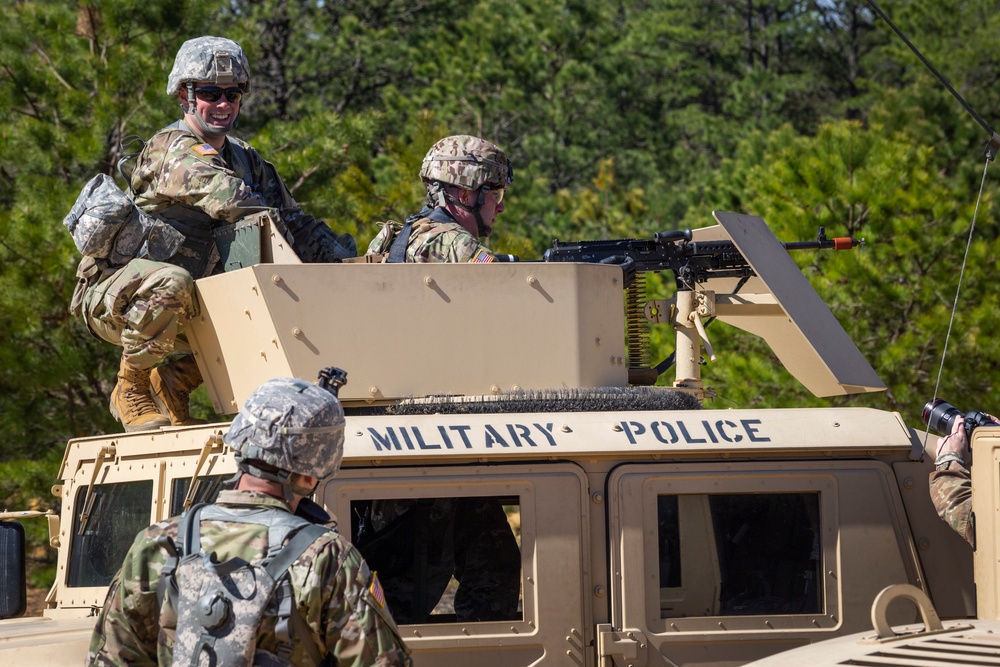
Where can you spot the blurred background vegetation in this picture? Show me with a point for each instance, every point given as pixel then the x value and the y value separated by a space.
pixel 622 118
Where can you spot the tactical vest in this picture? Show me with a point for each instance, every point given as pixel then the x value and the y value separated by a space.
pixel 218 607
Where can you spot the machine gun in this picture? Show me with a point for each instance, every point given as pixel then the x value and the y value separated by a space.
pixel 692 262
pixel 695 265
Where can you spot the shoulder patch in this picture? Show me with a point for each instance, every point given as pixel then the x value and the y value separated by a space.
pixel 375 589
pixel 481 257
pixel 205 149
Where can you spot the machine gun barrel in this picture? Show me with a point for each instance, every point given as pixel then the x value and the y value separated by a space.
pixel 675 251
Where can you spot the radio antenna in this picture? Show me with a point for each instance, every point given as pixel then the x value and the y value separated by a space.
pixel 993 145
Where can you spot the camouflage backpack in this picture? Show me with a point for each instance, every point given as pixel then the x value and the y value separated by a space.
pixel 106 224
pixel 219 606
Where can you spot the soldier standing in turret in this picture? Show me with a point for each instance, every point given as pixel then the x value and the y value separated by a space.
pixel 197 178
pixel 466 178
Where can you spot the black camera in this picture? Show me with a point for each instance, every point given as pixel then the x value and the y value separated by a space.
pixel 939 415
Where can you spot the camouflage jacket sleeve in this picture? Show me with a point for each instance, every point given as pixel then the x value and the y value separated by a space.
pixel 445 242
pixel 353 618
pixel 128 626
pixel 951 493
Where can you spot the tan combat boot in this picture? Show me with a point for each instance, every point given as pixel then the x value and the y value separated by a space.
pixel 131 401
pixel 172 385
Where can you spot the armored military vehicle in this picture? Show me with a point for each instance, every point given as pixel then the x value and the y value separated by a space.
pixel 648 530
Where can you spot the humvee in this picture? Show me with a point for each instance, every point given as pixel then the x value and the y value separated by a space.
pixel 651 530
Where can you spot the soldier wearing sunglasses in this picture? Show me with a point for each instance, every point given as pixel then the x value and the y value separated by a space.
pixel 197 178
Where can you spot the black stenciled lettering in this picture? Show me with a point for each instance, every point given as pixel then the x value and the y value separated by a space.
pixel 519 431
pixel 406 438
pixel 464 432
pixel 546 430
pixel 494 438
pixel 384 443
pixel 444 436
pixel 420 440
pixel 749 425
pixel 721 425
pixel 708 430
pixel 687 436
pixel 655 427
pixel 628 427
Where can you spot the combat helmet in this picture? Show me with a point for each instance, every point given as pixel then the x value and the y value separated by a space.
pixel 216 59
pixel 288 426
pixel 467 162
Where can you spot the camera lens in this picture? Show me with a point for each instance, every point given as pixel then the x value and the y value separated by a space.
pixel 939 415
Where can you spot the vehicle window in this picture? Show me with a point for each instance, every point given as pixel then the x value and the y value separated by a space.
pixel 760 551
pixel 208 490
pixel 119 512
pixel 443 559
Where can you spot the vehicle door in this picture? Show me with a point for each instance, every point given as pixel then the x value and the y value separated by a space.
pixel 415 527
pixel 724 564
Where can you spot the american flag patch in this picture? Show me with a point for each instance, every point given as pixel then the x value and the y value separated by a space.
pixel 376 590
pixel 206 149
pixel 481 257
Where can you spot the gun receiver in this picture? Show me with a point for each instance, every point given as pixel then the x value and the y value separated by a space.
pixel 691 261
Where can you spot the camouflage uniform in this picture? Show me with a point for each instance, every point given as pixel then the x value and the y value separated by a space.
pixel 330 583
pixel 181 179
pixel 286 427
pixel 436 237
pixel 951 493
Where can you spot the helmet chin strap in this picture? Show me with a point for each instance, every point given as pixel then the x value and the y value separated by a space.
pixel 439 198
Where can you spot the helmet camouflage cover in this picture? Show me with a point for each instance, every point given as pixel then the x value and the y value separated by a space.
pixel 208 58
pixel 292 425
pixel 467 162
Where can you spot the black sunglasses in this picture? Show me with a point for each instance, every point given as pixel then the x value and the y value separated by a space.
pixel 212 94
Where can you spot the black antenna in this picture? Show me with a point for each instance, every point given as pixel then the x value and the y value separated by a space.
pixel 993 145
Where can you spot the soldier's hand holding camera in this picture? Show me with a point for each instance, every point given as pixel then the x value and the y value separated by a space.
pixel 941 416
pixel 954 446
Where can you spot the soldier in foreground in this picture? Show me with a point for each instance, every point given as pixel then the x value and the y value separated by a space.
pixel 466 178
pixel 196 178
pixel 165 608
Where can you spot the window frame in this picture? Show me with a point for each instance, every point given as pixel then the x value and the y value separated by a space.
pixel 633 517
pixel 545 564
